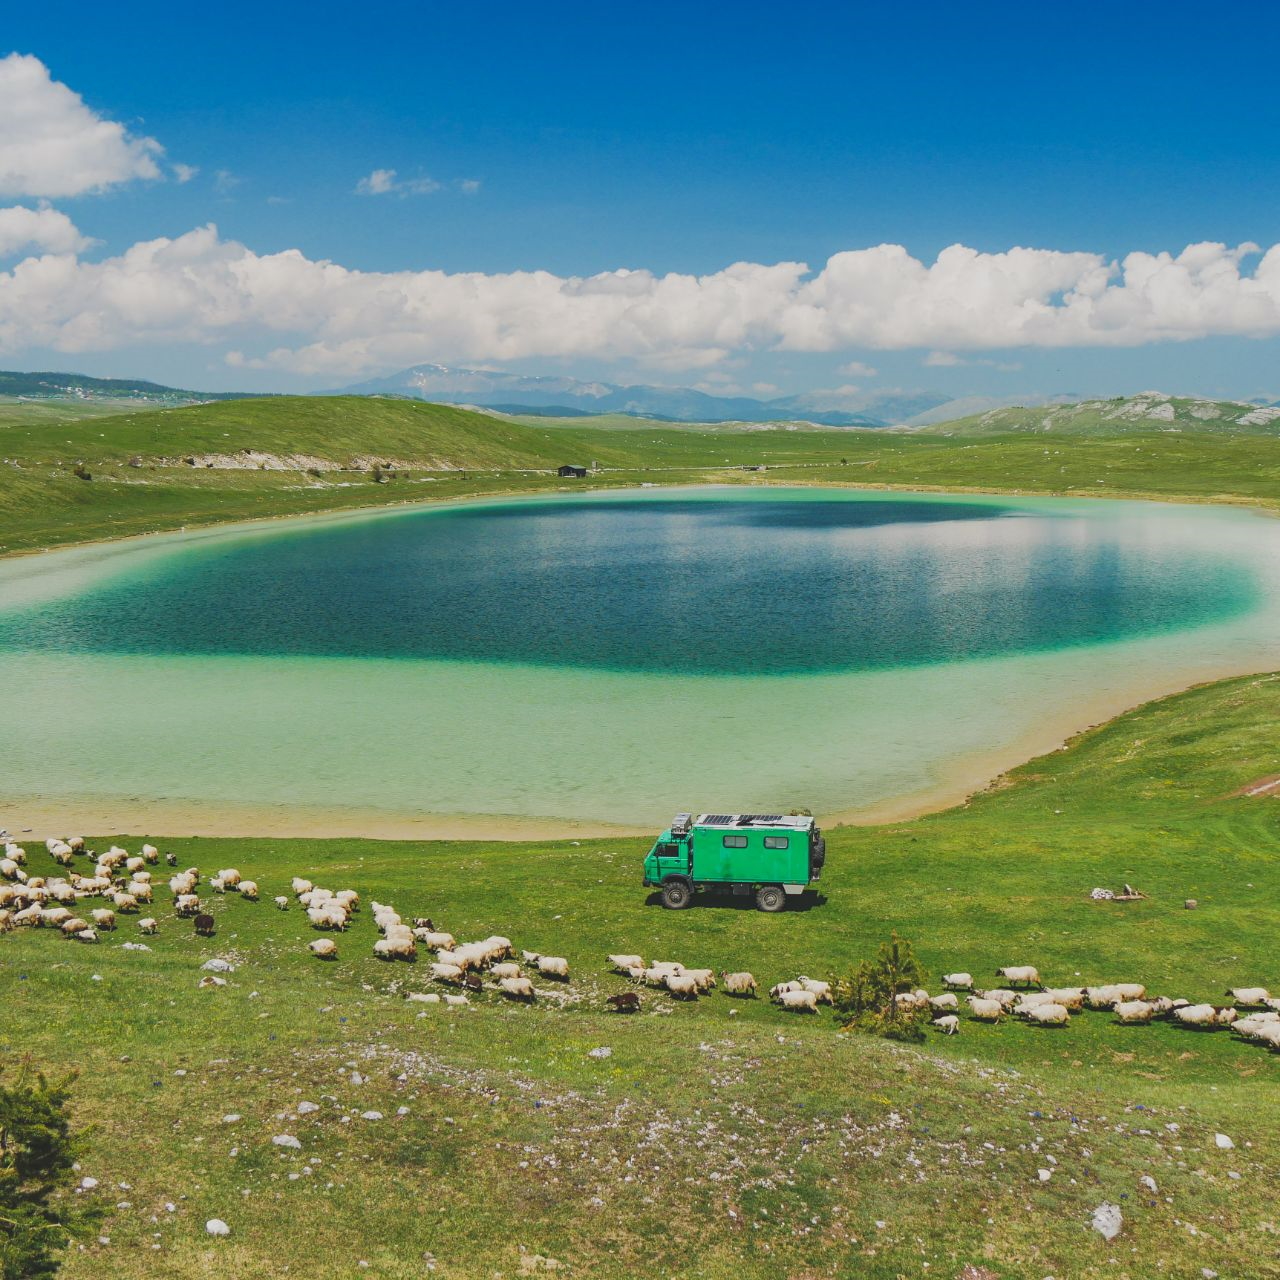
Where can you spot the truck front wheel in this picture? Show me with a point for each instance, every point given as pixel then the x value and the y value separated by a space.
pixel 770 897
pixel 676 895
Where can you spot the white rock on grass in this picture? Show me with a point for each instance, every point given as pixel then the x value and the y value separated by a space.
pixel 306 1108
pixel 233 1118
pixel 1222 1142
pixel 88 1184
pixel 134 946
pixel 1044 1174
pixel 603 1052
pixel 371 1115
pixel 216 1227
pixel 1149 1182
pixel 287 1140
pixel 1107 1221
pixel 218 965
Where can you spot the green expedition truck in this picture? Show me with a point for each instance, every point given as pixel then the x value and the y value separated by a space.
pixel 769 854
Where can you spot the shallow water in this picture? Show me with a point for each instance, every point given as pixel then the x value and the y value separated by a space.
pixel 614 656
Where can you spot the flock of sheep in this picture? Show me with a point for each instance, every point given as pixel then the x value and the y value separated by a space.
pixel 123 885
pixel 1253 1012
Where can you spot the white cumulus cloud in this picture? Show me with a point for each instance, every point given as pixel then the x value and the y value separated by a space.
pixel 52 144
pixel 383 182
pixel 287 311
pixel 43 228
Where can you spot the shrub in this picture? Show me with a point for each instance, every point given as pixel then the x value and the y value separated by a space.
pixel 865 997
pixel 81 472
pixel 37 1159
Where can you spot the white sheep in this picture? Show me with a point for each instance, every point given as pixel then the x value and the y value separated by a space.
pixel 1249 995
pixel 1027 974
pixel 395 948
pixel 439 971
pixel 986 1010
pixel 553 966
pixel 508 969
pixel 1049 1015
pixel 781 988
pixel 103 918
pixel 86 935
pixel 529 957
pixel 437 940
pixel 300 886
pixel 1108 996
pixel 149 852
pixel 684 985
pixel 229 877
pixel 705 978
pixel 1134 1011
pixel 1003 996
pixel 281 902
pixel 249 890
pixel 948 1000
pixel 516 988
pixel 798 1001
pixel 324 948
pixel 455 999
pixel 622 963
pixel 124 902
pixel 148 924
pixel 1202 1015
pixel 948 1024
pixel 823 989
pixel 1072 997
pixel 739 984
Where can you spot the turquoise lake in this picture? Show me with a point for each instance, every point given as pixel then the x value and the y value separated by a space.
pixel 612 657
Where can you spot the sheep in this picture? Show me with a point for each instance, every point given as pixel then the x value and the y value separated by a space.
pixel 439 971
pixel 431 997
pixel 77 844
pixel 324 948
pixel 58 916
pixel 86 935
pixel 529 957
pixel 73 926
pixel 622 963
pixel 63 856
pixel 455 999
pixel 103 918
pixel 1003 996
pixel 230 877
pixel 140 891
pixel 516 988
pixel 656 977
pixel 823 989
pixel 986 1010
pixel 781 988
pixel 1049 1015
pixel 508 969
pixel 671 966
pixel 170 859
pixel 396 946
pixel 1134 1011
pixel 436 940
pixel 1072 997
pixel 798 1001
pixel 149 852
pixel 705 978
pixel 626 1002
pixel 1203 1016
pixel 948 1024
pixel 125 902
pixel 1249 995
pixel 6 920
pixel 249 890
pixel 684 985
pixel 553 966
pixel 422 922
pixel 134 864
pixel 282 903
pixel 148 924
pixel 182 884
pixel 1027 974
pixel 948 1000
pixel 1107 997
pixel 204 925
pixel 737 984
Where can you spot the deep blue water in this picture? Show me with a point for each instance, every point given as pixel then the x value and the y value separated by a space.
pixel 785 583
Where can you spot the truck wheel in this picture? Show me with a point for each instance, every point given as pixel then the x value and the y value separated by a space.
pixel 676 895
pixel 770 897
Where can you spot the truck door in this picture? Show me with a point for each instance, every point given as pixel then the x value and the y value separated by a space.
pixel 672 859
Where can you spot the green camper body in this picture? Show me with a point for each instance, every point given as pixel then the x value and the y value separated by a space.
pixel 775 856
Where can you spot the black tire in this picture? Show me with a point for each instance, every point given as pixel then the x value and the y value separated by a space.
pixel 771 897
pixel 676 895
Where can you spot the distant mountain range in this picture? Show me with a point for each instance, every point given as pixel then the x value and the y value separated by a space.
pixel 558 396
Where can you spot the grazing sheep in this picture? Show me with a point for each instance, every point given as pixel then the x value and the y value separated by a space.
pixel 300 886
pixel 77 844
pixel 780 989
pixel 140 890
pixel 948 1024
pixel 230 877
pixel 516 988
pixel 553 966
pixel 1134 1011
pixel 396 945
pixel 823 989
pixel 529 957
pixel 1027 974
pixel 124 902
pixel 626 1002
pixel 508 969
pixel 798 1001
pixel 148 924
pixel 440 972
pixel 170 859
pixel 422 922
pixel 986 1010
pixel 1003 996
pixel 431 997
pixel 655 977
pixel 1203 1016
pixel 103 918
pixel 1072 997
pixel 684 985
pixel 204 925
pixel 132 865
pixel 622 963
pixel 1108 996
pixel 438 941
pixel 1049 1015
pixel 705 978
pixel 86 935
pixel 1250 995
pixel 324 948
pixel 455 999
pixel 736 984
pixel 149 852
pixel 249 890
pixel 281 902
pixel 948 1000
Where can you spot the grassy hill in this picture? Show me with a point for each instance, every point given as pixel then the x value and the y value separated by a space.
pixel 718 1139
pixel 68 479
pixel 1124 415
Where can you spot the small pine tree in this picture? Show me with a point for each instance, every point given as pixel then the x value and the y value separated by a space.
pixel 37 1159
pixel 865 997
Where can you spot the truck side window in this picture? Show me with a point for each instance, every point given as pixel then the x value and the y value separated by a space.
pixel 776 842
pixel 735 842
pixel 668 850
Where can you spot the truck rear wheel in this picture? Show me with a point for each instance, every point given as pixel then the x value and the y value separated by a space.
pixel 771 897
pixel 676 895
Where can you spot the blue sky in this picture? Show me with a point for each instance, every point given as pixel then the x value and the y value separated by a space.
pixel 582 139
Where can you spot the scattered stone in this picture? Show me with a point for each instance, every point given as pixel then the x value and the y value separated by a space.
pixel 1222 1142
pixel 233 1118
pixel 88 1184
pixel 209 982
pixel 371 1115
pixel 1149 1182
pixel 217 965
pixel 306 1108
pixel 286 1140
pixel 216 1227
pixel 402 1111
pixel 134 946
pixel 603 1052
pixel 1107 1221
pixel 1044 1174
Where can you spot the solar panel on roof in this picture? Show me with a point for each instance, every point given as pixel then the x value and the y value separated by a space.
pixel 718 819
